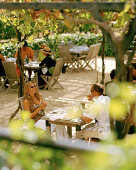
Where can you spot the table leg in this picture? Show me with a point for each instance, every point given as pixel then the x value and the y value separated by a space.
pixel 29 74
pixel 69 130
pixel 48 127
pixel 36 77
pixel 78 129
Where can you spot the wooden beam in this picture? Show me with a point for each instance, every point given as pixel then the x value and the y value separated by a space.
pixel 102 6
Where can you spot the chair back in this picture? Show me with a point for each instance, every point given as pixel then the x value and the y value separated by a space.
pixel 90 52
pixel 64 53
pixel 96 50
pixel 10 70
pixel 36 55
pixel 58 67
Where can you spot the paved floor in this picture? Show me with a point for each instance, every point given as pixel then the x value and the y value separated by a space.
pixel 76 87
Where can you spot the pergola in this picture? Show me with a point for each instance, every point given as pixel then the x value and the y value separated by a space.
pixel 95 8
pixel 92 6
pixel 119 47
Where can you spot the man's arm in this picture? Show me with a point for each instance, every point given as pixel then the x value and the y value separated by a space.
pixel 89 97
pixel 86 119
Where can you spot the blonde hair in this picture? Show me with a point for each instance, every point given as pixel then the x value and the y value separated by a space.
pixel 26 92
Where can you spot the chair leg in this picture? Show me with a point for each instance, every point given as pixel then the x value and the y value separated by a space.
pixel 8 87
pixel 48 86
pixel 60 85
pixel 95 63
pixel 47 82
pixel 2 83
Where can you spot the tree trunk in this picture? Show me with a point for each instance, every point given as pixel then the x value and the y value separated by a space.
pixel 20 65
pixel 103 64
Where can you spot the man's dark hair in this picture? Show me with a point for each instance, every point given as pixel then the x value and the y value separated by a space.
pixel 98 88
pixel 112 74
pixel 25 44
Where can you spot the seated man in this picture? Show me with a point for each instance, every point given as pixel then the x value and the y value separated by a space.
pixel 98 111
pixel 110 85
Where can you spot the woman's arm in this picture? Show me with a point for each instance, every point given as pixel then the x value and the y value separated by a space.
pixel 27 108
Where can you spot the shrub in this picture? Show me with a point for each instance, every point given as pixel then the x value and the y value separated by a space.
pixel 54 40
pixel 8 49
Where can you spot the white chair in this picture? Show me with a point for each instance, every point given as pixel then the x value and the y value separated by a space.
pixel 69 60
pixel 91 58
pixel 2 81
pixel 52 80
pixel 11 74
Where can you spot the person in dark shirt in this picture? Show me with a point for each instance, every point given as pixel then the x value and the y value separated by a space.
pixel 47 65
pixel 2 71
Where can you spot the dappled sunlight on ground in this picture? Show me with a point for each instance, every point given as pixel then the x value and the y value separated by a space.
pixel 109 64
pixel 76 87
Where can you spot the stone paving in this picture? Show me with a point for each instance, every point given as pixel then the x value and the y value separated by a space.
pixel 76 87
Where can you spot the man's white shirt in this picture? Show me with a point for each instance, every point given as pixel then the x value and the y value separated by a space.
pixel 99 110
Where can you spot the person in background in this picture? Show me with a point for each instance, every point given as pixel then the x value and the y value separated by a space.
pixel 132 78
pixel 27 54
pixel 110 84
pixel 99 112
pixel 1 56
pixel 134 73
pixel 47 64
pixel 44 50
pixel 33 101
pixel 2 71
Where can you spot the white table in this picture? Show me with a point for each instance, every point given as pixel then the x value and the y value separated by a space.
pixel 33 66
pixel 59 116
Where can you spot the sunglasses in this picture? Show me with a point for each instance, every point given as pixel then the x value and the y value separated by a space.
pixel 33 86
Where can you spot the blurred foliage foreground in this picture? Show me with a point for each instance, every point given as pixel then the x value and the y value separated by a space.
pixel 25 147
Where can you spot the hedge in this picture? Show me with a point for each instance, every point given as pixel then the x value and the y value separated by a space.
pixel 54 40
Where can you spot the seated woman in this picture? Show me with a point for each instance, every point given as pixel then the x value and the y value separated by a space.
pixel 33 101
pixel 47 64
pixel 34 104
